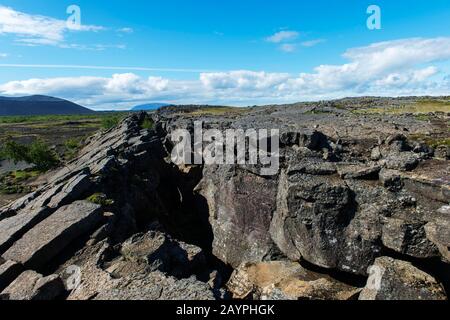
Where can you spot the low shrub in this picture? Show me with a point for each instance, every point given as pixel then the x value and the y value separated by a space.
pixel 38 153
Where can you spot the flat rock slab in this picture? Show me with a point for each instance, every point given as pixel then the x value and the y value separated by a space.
pixel 33 286
pixel 51 236
pixel 9 270
pixel 12 228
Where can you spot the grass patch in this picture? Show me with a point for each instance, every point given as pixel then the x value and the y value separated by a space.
pixel 100 199
pixel 419 108
pixel 60 119
pixel 14 182
pixel 422 117
pixel 112 120
pixel 430 141
pixel 217 111
pixel 23 175
pixel 48 118
pixel 72 146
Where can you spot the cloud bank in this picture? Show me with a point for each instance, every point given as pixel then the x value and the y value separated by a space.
pixel 400 67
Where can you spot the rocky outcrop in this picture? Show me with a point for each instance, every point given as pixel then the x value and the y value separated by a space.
pixel 50 237
pixel 241 205
pixel 148 266
pixel 121 221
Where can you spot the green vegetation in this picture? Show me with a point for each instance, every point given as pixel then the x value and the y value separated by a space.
pixel 101 199
pixel 217 111
pixel 418 107
pixel 72 143
pixel 49 118
pixel 440 142
pixel 147 124
pixel 72 146
pixel 431 141
pixel 23 175
pixel 111 120
pixel 37 120
pixel 13 182
pixel 38 153
pixel 422 117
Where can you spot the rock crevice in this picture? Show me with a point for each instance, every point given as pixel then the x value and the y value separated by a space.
pixel 133 225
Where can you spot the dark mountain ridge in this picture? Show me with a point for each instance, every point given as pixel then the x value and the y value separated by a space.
pixel 39 105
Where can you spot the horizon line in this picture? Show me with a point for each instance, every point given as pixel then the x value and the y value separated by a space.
pixel 72 66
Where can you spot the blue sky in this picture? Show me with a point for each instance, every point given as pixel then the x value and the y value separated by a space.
pixel 237 52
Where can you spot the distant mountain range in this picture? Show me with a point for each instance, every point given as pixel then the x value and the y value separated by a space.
pixel 150 106
pixel 39 105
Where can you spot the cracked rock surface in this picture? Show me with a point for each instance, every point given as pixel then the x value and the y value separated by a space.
pixel 352 193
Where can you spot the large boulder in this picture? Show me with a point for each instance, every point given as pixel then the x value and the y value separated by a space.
pixel 241 205
pixel 318 218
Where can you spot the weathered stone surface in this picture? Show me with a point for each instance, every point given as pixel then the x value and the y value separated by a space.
pixel 157 286
pixel 310 139
pixel 314 213
pixel 33 286
pixel 402 161
pixel 358 171
pixel 391 179
pixel 155 251
pixel 110 280
pixel 285 280
pixel 430 181
pixel 47 239
pixel 9 270
pixel 241 205
pixel 442 152
pixel 408 238
pixel 74 188
pixel 311 165
pixel 12 228
pixel 439 234
pixel 399 280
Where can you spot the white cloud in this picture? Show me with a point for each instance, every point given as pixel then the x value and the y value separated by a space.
pixel 402 67
pixel 36 29
pixel 125 83
pixel 377 61
pixel 312 43
pixel 3 55
pixel 282 36
pixel 242 80
pixel 125 30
